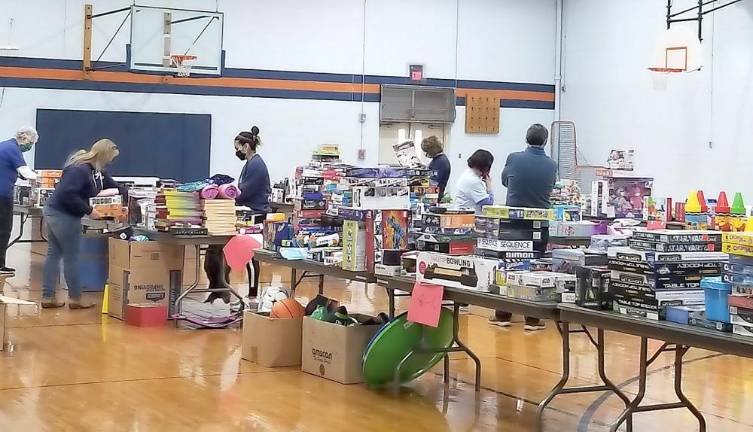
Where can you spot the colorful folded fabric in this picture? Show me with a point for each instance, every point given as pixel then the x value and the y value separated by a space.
pixel 210 192
pixel 228 191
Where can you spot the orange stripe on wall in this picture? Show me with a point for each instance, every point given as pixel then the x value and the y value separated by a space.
pixel 249 83
pixel 127 77
pixel 509 94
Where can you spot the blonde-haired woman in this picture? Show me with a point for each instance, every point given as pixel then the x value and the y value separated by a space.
pixel 84 177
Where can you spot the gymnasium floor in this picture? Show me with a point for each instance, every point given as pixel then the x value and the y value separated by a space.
pixel 80 371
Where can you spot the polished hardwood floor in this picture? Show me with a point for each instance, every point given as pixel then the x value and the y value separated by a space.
pixel 81 371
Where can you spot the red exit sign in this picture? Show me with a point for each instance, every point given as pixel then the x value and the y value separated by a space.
pixel 416 73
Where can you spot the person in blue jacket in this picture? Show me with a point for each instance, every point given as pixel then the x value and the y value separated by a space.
pixel 12 164
pixel 84 177
pixel 434 149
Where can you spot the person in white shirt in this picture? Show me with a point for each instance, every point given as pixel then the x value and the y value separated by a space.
pixel 474 187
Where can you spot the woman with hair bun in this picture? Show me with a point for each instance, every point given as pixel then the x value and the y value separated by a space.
pixel 254 180
pixel 255 190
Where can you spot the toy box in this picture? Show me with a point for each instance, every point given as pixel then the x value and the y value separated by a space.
pixel 108 207
pixel 448 221
pixel 675 236
pixel 566 260
pixel 469 272
pixel 577 229
pixel 630 254
pixel 354 246
pixel 462 245
pixel 738 238
pixel 520 213
pixel 381 198
pixel 505 245
pixel 674 247
pixel 592 289
pixel 621 160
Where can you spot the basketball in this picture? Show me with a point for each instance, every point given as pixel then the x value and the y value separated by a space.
pixel 287 309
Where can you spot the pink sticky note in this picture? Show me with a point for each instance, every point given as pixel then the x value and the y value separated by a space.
pixel 425 304
pixel 239 251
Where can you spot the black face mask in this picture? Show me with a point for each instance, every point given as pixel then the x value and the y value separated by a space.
pixel 240 155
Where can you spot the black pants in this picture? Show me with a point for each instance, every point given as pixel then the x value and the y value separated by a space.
pixel 218 272
pixel 541 247
pixel 6 226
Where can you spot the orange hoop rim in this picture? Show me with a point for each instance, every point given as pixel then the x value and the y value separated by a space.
pixel 177 58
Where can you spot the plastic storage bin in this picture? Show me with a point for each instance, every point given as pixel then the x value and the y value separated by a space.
pixel 716 292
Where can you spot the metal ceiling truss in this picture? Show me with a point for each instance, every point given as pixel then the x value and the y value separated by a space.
pixel 682 16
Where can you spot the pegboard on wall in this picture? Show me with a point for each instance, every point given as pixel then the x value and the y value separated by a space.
pixel 481 113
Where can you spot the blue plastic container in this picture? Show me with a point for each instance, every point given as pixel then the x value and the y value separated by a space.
pixel 716 292
pixel 93 262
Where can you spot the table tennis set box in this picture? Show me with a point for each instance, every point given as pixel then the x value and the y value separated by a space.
pixel 663 268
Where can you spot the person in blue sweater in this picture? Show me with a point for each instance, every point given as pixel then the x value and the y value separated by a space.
pixel 434 149
pixel 529 177
pixel 254 180
pixel 84 177
pixel 12 164
pixel 255 190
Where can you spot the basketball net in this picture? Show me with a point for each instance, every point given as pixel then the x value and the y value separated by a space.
pixel 183 64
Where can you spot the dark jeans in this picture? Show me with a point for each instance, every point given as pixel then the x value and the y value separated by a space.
pixel 63 242
pixel 6 226
pixel 218 272
pixel 541 247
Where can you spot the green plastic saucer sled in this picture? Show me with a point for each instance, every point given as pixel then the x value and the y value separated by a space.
pixel 398 338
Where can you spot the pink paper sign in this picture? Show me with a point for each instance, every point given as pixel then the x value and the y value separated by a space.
pixel 239 251
pixel 425 304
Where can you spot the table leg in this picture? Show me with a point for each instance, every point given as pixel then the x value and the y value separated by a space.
pixel 321 284
pixel 635 405
pixel 293 281
pixel 461 345
pixel 194 285
pixel 679 353
pixel 41 229
pixel 561 387
pixel 24 218
pixel 391 299
pixel 642 369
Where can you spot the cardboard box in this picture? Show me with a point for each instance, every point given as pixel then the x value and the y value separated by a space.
pixel 143 273
pixel 271 342
pixel 334 351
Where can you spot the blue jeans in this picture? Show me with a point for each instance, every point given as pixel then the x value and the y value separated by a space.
pixel 63 239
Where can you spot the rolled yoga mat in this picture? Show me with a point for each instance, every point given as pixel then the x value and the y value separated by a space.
pixel 210 192
pixel 228 191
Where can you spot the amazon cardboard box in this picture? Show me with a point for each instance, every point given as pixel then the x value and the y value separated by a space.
pixel 334 351
pixel 145 273
pixel 271 342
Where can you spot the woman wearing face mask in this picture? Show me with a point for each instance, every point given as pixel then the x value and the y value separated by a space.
pixel 474 187
pixel 12 164
pixel 254 185
pixel 84 177
pixel 434 149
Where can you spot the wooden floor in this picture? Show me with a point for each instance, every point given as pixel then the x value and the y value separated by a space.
pixel 80 371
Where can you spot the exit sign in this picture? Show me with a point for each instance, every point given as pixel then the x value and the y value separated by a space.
pixel 416 73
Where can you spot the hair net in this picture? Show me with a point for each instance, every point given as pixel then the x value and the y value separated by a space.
pixel 27 135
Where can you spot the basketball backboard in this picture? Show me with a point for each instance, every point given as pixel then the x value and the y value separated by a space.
pixel 157 33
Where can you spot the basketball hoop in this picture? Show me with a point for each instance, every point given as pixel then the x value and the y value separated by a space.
pixel 660 75
pixel 183 64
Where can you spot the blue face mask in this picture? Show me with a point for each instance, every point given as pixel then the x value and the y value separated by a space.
pixel 25 147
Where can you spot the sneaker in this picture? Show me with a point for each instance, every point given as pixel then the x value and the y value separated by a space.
pixel 51 304
pixel 535 327
pixel 494 321
pixel 7 270
pixel 80 305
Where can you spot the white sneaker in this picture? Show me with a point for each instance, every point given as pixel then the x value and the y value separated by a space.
pixel 537 327
pixel 496 322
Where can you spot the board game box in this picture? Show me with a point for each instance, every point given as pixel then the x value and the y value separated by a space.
pixel 676 236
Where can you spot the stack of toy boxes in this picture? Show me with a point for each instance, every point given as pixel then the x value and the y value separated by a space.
pixel 739 274
pixel 391 239
pixel 511 233
pixel 450 233
pixel 663 268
